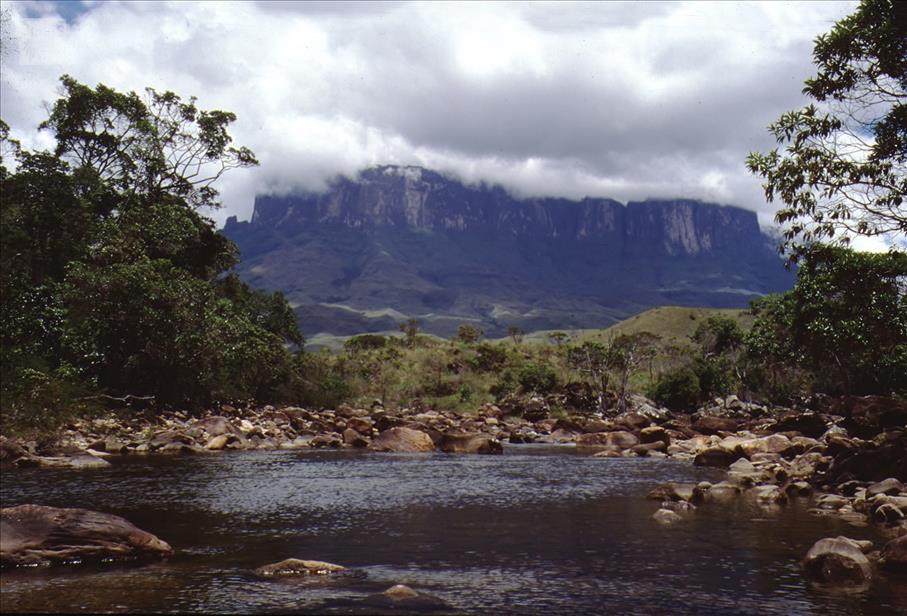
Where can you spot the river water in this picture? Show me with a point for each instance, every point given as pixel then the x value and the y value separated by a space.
pixel 539 530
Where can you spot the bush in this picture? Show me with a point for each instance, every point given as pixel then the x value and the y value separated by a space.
pixel 365 342
pixel 537 378
pixel 678 389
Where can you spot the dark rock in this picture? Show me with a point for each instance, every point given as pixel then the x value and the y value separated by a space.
pixel 887 486
pixel 716 456
pixel 666 517
pixel 354 438
pixel 837 562
pixel 894 555
pixel 809 424
pixel 39 535
pixel 633 421
pixel 653 434
pixel 714 425
pixel 619 439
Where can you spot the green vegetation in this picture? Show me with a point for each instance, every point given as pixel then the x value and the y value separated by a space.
pixel 842 169
pixel 113 283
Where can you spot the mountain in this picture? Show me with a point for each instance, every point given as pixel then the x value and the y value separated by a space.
pixel 401 242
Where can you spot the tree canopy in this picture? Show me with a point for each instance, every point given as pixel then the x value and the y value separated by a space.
pixel 113 280
pixel 841 166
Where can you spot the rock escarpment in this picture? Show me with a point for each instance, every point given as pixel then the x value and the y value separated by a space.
pixel 400 242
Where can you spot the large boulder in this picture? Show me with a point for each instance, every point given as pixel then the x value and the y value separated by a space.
pixel 894 555
pixel 715 456
pixel 714 425
pixel 35 535
pixel 469 443
pixel 402 440
pixel 837 561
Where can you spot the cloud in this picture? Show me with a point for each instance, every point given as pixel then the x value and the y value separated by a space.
pixel 621 100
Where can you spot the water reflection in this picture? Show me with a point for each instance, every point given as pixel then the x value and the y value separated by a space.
pixel 536 531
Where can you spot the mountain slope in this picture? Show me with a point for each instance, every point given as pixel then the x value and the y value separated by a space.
pixel 400 242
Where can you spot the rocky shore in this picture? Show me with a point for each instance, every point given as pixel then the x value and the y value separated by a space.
pixel 848 455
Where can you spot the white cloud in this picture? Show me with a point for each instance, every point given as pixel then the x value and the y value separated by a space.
pixel 621 100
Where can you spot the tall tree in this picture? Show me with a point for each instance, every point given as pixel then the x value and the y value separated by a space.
pixel 841 166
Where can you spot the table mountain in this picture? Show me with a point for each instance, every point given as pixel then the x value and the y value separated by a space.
pixel 400 242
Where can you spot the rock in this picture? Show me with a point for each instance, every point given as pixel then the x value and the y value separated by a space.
pixel 888 513
pixel 402 440
pixel 654 434
pixel 798 488
pixel 81 461
pixel 362 425
pixel 470 443
pixel 295 566
pixel 10 450
pixel 837 561
pixel 831 501
pixel 894 555
pixel 633 421
pixel 216 426
pixel 714 425
pixel 354 438
pixel 400 597
pixel 328 440
pixel 619 439
pixel 666 517
pixel 722 492
pixel 33 535
pixel 769 494
pixel 221 441
pixel 807 424
pixel 648 449
pixel 715 456
pixel 887 486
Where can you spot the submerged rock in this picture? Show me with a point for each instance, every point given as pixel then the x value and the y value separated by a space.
pixel 894 555
pixel 296 566
pixel 666 517
pixel 35 535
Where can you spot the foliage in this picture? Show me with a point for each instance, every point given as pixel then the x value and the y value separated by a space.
pixel 677 389
pixel 470 334
pixel 365 342
pixel 843 169
pixel 845 321
pixel 537 378
pixel 112 280
pixel 410 329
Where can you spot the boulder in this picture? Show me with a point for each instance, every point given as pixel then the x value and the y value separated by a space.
pixel 715 456
pixel 400 597
pixel 837 561
pixel 769 494
pixel 216 425
pixel 354 438
pixel 654 434
pixel 10 450
pixel 714 425
pixel 808 424
pixel 402 440
pixel 886 486
pixel 35 535
pixel 470 443
pixel 295 566
pixel 894 555
pixel 619 439
pixel 666 517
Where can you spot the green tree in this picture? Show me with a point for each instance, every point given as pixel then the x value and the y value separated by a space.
pixel 470 334
pixel 410 329
pixel 845 321
pixel 843 167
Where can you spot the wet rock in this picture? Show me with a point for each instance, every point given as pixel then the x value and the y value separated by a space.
pixel 887 486
pixel 402 440
pixel 894 555
pixel 329 440
pixel 648 449
pixel 769 494
pixel 798 488
pixel 81 461
pixel 221 441
pixel 722 492
pixel 808 424
pixel 831 501
pixel 666 517
pixel 37 535
pixel 10 450
pixel 216 425
pixel 297 567
pixel 838 562
pixel 470 443
pixel 887 513
pixel 362 425
pixel 400 597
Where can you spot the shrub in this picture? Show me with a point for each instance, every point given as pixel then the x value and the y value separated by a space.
pixel 537 378
pixel 678 389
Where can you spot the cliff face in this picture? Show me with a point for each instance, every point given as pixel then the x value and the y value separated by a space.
pixel 404 241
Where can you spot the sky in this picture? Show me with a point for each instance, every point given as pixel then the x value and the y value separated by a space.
pixel 604 99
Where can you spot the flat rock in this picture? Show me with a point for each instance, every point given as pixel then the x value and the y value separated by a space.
pixel 470 443
pixel 37 535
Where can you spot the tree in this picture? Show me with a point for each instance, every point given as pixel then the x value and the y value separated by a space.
pixel 591 358
pixel 410 329
pixel 845 321
pixel 843 167
pixel 112 278
pixel 625 354
pixel 516 334
pixel 469 334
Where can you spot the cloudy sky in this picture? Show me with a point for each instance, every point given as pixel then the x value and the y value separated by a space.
pixel 621 100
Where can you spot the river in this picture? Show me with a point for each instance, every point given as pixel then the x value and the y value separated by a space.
pixel 539 530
